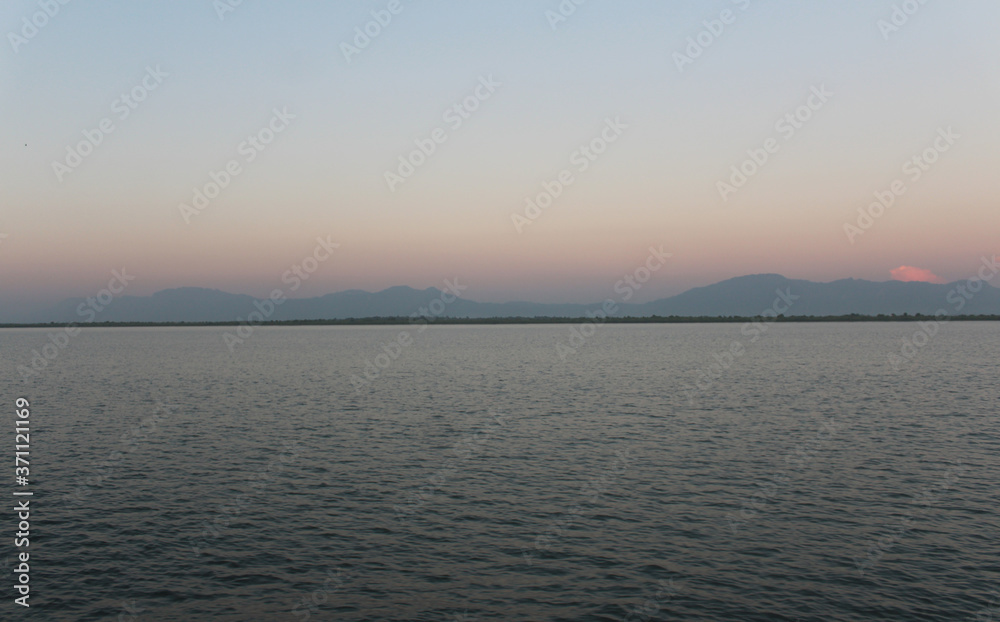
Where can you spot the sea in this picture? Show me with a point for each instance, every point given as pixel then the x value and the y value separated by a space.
pixel 550 472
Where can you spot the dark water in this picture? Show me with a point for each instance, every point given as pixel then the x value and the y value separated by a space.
pixel 482 477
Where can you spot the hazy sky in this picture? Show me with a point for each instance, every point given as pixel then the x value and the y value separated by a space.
pixel 531 90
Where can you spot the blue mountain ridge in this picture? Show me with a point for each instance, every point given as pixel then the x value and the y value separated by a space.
pixel 741 296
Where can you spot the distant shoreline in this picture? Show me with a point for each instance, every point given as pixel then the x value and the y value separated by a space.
pixel 395 321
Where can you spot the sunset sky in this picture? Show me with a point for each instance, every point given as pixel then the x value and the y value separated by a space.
pixel 541 89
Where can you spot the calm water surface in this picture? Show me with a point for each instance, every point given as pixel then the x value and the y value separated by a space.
pixel 482 476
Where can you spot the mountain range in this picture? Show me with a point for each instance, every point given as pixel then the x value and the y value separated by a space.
pixel 741 296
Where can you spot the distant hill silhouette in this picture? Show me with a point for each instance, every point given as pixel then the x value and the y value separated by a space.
pixel 749 295
pixel 741 296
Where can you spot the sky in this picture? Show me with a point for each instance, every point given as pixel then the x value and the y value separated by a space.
pixel 740 136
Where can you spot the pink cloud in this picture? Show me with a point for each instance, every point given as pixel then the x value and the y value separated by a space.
pixel 909 273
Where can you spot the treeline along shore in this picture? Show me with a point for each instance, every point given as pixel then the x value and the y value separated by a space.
pixel 654 319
